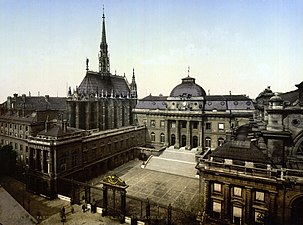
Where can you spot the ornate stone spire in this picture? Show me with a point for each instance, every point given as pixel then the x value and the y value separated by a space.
pixel 103 55
pixel 133 86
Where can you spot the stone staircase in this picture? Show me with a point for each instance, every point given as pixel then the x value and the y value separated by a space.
pixel 174 161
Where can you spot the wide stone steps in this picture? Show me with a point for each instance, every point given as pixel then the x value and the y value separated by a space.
pixel 181 156
pixel 179 162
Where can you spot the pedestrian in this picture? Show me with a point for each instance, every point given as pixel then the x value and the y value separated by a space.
pixel 83 207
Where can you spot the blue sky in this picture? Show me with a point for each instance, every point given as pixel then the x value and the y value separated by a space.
pixel 241 46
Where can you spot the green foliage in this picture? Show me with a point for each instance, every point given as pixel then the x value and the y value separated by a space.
pixel 7 160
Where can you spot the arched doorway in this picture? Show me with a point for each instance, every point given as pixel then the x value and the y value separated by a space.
pixel 195 141
pixel 183 141
pixel 173 139
pixel 296 212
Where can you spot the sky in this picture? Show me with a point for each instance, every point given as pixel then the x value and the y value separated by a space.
pixel 241 46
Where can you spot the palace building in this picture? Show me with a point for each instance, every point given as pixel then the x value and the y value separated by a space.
pixel 189 118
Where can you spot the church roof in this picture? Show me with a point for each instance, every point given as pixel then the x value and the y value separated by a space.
pixel 94 83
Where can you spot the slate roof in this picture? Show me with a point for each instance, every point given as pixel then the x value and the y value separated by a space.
pixel 57 131
pixel 39 103
pixel 94 82
pixel 152 102
pixel 241 150
pixel 188 87
pixel 218 102
pixel 291 96
pixel 227 102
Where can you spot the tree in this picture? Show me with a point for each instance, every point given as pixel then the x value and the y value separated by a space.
pixel 7 160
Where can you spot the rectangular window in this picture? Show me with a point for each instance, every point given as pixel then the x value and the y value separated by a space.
pixel 183 124
pixel 221 126
pixel 260 196
pixel 162 123
pixel 217 187
pixel 208 126
pixel 152 123
pixel 173 125
pixel 237 215
pixel 207 142
pixel 237 191
pixel 216 209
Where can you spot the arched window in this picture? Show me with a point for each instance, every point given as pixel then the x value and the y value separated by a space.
pixel 208 142
pixel 183 140
pixel 162 138
pixel 173 139
pixel 152 136
pixel 195 141
pixel 220 141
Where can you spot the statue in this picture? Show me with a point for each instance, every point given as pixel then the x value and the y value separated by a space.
pixel 87 61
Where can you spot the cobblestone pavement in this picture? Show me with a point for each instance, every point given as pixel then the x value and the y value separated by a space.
pixel 162 188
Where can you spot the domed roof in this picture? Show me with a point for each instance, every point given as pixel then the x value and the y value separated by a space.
pixel 188 87
pixel 276 98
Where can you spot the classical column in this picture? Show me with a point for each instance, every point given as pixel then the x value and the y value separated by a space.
pixel 77 114
pixel 177 145
pixel 188 135
pixel 200 140
pixel 226 205
pixel 166 143
pixel 87 115
pixel 248 206
pixel 272 205
pixel 206 198
pixel 42 161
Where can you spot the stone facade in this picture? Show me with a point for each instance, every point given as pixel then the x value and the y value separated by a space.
pixel 64 152
pixel 189 118
pixel 25 116
pixel 258 180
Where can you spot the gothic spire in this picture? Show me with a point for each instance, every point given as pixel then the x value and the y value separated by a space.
pixel 103 55
pixel 133 86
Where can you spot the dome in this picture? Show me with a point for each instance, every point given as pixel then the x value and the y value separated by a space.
pixel 188 87
pixel 276 98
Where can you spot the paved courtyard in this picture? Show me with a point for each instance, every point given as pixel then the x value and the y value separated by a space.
pixel 159 187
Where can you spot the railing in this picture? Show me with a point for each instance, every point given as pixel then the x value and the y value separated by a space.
pixel 239 170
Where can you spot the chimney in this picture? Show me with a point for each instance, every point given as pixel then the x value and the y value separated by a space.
pixel 46 126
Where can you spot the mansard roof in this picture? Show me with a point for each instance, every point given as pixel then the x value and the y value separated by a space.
pixel 152 102
pixel 95 83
